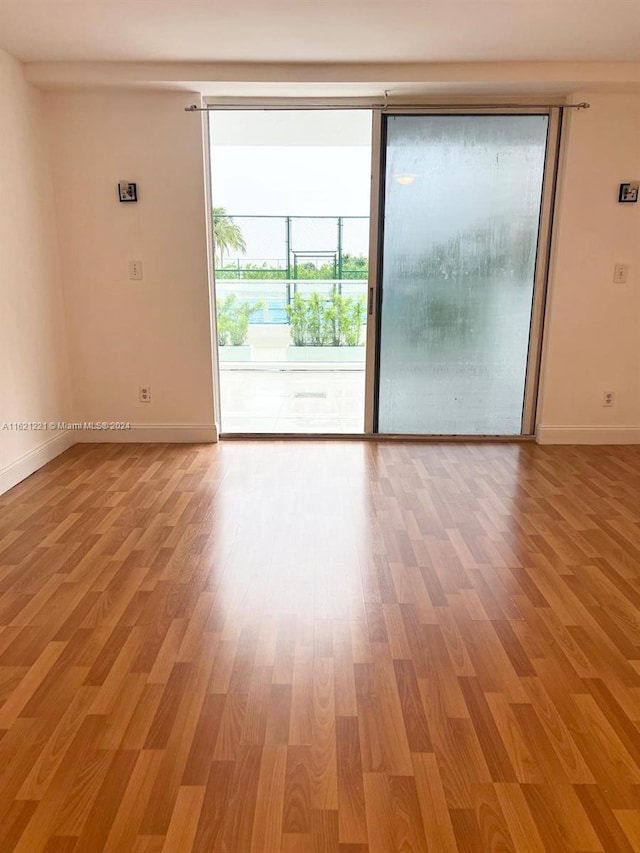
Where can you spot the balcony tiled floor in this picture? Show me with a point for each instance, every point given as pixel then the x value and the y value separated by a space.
pixel 279 399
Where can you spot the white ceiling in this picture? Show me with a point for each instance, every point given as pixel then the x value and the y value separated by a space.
pixel 320 30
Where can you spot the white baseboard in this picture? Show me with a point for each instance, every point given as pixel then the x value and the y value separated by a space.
pixel 150 433
pixel 588 435
pixel 16 471
pixel 25 465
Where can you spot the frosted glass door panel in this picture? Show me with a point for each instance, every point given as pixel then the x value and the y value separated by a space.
pixel 461 218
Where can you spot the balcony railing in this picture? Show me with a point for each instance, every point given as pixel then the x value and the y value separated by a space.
pixel 275 295
pixel 277 257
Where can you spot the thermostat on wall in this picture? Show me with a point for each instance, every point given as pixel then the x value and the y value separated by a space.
pixel 629 192
pixel 127 191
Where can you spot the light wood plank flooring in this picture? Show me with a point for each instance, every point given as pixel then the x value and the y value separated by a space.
pixel 318 646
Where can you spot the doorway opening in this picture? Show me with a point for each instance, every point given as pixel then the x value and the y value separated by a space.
pixel 290 196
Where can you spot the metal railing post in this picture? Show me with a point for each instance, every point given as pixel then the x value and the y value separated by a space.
pixel 340 255
pixel 288 247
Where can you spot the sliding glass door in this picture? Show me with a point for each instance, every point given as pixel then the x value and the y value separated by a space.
pixel 458 318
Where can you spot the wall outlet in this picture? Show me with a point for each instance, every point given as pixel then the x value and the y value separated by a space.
pixel 607 398
pixel 135 270
pixel 620 273
pixel 144 393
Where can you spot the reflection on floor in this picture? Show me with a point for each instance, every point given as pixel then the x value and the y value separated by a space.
pixel 321 647
pixel 282 400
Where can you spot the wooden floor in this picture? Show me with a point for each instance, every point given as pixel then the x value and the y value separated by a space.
pixel 322 646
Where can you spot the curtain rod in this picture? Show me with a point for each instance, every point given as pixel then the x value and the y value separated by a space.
pixel 386 108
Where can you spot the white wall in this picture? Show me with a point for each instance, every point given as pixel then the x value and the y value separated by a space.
pixel 122 333
pixel 592 340
pixel 34 374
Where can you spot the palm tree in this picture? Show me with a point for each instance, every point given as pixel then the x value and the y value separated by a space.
pixel 226 234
